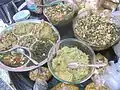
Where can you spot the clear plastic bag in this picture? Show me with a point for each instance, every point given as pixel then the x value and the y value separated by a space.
pixel 5 80
pixel 4 85
pixel 40 85
pixel 31 5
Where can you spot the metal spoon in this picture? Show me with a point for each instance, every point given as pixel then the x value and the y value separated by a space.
pixel 20 50
pixel 75 65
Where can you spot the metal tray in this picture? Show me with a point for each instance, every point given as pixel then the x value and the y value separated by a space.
pixel 29 66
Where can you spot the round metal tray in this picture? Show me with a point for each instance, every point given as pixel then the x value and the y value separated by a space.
pixel 29 66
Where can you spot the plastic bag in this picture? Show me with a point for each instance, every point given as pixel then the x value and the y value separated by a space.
pixel 4 85
pixel 94 4
pixel 40 85
pixel 38 7
pixel 115 17
pixel 5 80
pixel 117 49
pixel 109 5
pixel 4 75
pixel 2 25
pixel 31 5
pixel 115 1
pixel 34 5
pixel 47 1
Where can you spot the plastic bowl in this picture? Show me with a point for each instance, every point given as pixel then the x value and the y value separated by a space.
pixel 72 43
pixel 21 15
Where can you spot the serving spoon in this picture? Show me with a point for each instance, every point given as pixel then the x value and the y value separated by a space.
pixel 20 50
pixel 75 65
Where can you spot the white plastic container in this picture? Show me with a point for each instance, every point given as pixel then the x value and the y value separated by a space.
pixel 21 15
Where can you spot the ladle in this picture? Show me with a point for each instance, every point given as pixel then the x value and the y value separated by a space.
pixel 75 65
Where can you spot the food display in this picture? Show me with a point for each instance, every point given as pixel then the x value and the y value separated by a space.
pixel 63 86
pixel 60 13
pixel 38 40
pixel 13 59
pixel 8 41
pixel 40 73
pixel 92 86
pixel 96 31
pixel 65 56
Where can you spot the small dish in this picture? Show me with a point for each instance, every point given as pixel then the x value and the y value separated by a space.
pixel 21 15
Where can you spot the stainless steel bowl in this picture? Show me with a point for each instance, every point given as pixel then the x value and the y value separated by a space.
pixel 72 43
